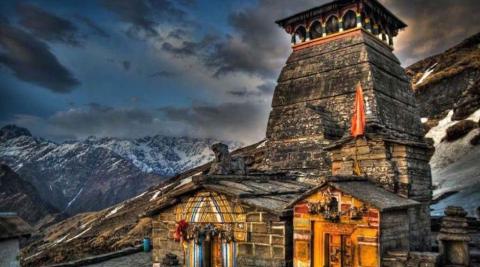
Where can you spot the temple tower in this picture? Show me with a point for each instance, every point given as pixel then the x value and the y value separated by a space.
pixel 335 47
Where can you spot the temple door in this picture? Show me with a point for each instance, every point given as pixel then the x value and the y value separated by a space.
pixel 331 249
pixel 212 253
pixel 338 250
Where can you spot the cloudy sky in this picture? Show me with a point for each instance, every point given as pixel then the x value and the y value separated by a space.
pixel 130 68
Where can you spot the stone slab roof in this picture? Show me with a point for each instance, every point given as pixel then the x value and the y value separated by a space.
pixel 269 192
pixel 12 226
pixel 361 188
pixel 374 195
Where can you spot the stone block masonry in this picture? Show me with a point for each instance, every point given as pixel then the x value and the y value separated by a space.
pixel 313 101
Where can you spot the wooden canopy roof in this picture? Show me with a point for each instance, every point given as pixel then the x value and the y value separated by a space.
pixel 373 6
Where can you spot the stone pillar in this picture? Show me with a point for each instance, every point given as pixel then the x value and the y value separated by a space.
pixel 359 20
pixel 375 29
pixel 340 25
pixel 368 25
pixel 308 35
pixel 293 40
pixel 453 238
pixel 324 29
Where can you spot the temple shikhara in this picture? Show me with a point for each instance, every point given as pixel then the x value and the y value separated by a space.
pixel 341 180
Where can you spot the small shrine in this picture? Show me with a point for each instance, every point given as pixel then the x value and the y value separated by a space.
pixel 218 218
pixel 349 221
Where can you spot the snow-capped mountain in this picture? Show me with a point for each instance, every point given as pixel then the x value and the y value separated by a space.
pixel 162 155
pixel 86 175
pixel 447 89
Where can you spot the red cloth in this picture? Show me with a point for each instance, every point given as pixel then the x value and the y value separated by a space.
pixel 358 119
pixel 179 231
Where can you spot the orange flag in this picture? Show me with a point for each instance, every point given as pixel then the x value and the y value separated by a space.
pixel 358 119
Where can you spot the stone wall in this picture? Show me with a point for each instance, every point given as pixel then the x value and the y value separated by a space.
pixel 140 259
pixel 394 227
pixel 313 101
pixel 398 168
pixel 163 227
pixel 268 242
pixel 410 259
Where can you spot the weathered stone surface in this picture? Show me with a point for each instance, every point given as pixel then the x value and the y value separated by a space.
pixel 459 130
pixel 224 164
pixel 454 237
pixel 313 101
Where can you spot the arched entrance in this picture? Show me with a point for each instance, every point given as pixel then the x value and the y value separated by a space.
pixel 210 241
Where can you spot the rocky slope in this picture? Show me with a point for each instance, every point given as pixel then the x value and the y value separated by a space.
pixel 113 228
pixel 79 176
pixel 447 88
pixel 17 195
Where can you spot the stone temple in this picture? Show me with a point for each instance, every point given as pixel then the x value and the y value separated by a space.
pixel 311 194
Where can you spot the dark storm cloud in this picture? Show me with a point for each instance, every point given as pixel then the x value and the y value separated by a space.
pixel 186 49
pixel 237 121
pixel 192 48
pixel 3 19
pixel 136 12
pixel 91 120
pixel 433 26
pixel 47 26
pixel 257 46
pixel 228 121
pixel 163 73
pixel 178 34
pixel 267 87
pixel 126 65
pixel 145 15
pixel 93 26
pixel 96 118
pixel 31 60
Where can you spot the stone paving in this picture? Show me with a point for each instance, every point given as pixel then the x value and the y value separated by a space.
pixel 140 259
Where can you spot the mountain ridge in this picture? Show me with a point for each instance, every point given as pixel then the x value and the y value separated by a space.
pixel 91 174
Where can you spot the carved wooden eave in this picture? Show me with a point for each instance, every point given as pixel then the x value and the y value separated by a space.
pixel 359 187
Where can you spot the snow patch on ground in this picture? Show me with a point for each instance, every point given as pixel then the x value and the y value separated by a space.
pixel 462 176
pixel 115 210
pixel 184 181
pixel 74 198
pixel 262 144
pixel 34 255
pixel 61 239
pixel 455 167
pixel 427 73
pixel 155 195
pixel 438 132
pixel 141 195
pixel 79 235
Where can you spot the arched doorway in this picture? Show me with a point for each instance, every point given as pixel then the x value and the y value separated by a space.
pixel 210 238
pixel 349 20
pixel 300 34
pixel 316 30
pixel 332 25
